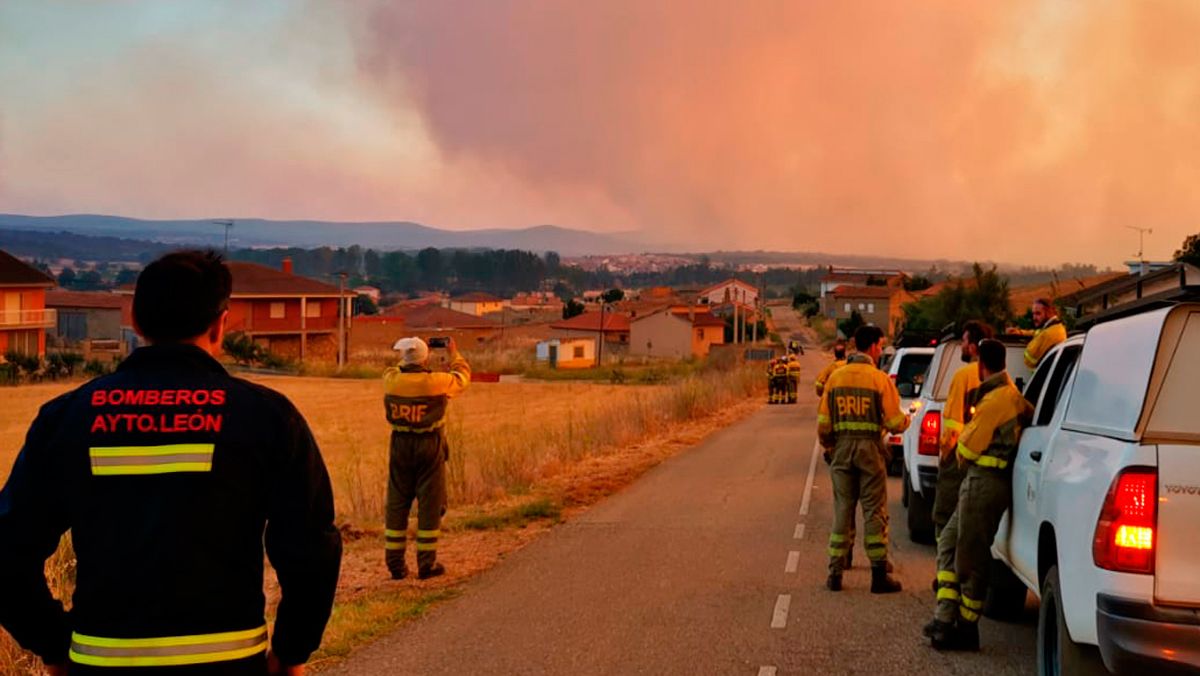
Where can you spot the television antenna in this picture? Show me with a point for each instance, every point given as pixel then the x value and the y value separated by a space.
pixel 1141 245
pixel 227 224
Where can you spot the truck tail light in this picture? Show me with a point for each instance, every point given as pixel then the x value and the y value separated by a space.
pixel 929 439
pixel 1124 539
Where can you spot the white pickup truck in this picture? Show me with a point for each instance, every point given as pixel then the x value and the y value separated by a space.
pixel 1105 521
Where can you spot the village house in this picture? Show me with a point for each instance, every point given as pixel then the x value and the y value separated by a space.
pixel 292 316
pixel 614 327
pixel 676 333
pixel 567 353
pixel 476 303
pixel 91 322
pixel 24 318
pixel 860 277
pixel 878 305
pixel 730 291
pixel 379 332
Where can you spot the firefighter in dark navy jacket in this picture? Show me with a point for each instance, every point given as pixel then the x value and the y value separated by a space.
pixel 171 477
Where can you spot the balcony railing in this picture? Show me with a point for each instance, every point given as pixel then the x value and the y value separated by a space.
pixel 28 319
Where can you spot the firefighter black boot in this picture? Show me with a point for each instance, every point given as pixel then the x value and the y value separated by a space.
pixel 963 636
pixel 881 581
pixel 428 566
pixel 833 582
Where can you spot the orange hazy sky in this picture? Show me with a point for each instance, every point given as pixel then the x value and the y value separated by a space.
pixel 1025 131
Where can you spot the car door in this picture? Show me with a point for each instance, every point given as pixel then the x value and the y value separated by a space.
pixel 1034 452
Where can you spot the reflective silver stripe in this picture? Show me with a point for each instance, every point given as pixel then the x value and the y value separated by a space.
pixel 167 651
pixel 417 430
pixel 158 460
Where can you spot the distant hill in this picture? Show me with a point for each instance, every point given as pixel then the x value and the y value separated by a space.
pixel 256 232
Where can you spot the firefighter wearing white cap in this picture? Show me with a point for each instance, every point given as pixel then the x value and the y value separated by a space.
pixel 415 401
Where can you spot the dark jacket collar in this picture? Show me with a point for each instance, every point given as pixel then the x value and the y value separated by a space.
pixel 169 355
pixel 860 358
pixel 995 382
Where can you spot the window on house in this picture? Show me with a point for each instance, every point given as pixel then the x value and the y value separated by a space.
pixel 578 352
pixel 870 307
pixel 312 309
pixel 847 308
pixel 277 311
pixel 862 306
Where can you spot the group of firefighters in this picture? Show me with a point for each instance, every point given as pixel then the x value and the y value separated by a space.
pixel 983 419
pixel 783 379
pixel 170 523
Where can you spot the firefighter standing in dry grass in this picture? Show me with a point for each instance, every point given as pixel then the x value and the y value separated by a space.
pixel 860 402
pixel 415 400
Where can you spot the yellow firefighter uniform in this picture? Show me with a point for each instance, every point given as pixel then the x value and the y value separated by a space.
pixel 859 404
pixel 956 414
pixel 987 447
pixel 415 401
pixel 1050 334
pixel 823 376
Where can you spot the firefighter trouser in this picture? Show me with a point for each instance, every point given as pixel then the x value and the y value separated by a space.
pixel 945 497
pixel 793 388
pixel 964 550
pixel 416 470
pixel 778 387
pixel 859 475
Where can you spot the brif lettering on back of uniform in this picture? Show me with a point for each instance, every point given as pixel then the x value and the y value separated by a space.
pixel 858 406
pixel 410 413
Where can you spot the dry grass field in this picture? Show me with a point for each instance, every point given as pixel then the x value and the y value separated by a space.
pixel 522 455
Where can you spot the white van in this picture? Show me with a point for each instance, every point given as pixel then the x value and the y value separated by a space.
pixel 1105 521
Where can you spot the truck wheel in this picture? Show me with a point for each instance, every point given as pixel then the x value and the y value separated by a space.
pixel 1006 594
pixel 920 515
pixel 1057 654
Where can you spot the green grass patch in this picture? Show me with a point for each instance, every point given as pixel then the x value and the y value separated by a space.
pixel 363 620
pixel 515 517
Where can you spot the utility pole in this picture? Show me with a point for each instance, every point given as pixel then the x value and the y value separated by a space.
pixel 227 224
pixel 1142 232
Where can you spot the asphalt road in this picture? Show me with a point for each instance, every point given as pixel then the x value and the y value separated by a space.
pixel 713 563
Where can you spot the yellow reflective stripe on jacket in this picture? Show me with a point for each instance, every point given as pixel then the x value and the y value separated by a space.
pixel 162 459
pixel 953 425
pixel 967 453
pixel 417 430
pixel 167 651
pixel 855 427
pixel 823 419
pixel 991 461
pixel 895 421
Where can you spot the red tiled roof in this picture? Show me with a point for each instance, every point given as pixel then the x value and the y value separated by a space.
pixel 16 272
pixel 438 317
pixel 83 299
pixel 252 279
pixel 847 291
pixel 590 321
pixel 476 297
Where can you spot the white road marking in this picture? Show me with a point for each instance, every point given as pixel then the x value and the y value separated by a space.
pixel 793 562
pixel 808 484
pixel 798 534
pixel 766 671
pixel 779 618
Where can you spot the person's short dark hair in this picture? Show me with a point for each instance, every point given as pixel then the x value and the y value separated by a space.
pixel 992 355
pixel 1045 302
pixel 839 350
pixel 866 337
pixel 180 295
pixel 977 331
